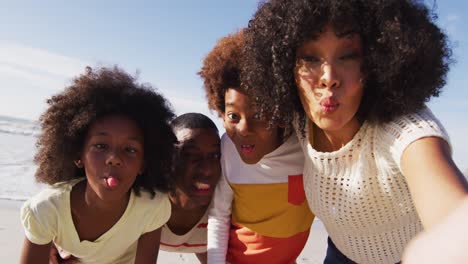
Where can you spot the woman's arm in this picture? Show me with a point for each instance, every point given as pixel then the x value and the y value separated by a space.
pixel 445 243
pixel 34 253
pixel 148 247
pixel 436 184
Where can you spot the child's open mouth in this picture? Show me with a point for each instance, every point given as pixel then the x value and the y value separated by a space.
pixel 247 149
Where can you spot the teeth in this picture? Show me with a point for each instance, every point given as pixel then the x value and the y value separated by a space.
pixel 247 146
pixel 202 186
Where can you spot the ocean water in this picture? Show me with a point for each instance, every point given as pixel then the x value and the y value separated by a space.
pixel 17 148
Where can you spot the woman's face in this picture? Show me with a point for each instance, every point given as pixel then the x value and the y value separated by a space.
pixel 328 78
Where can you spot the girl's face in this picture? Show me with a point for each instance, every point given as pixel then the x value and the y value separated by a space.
pixel 328 77
pixel 112 156
pixel 250 134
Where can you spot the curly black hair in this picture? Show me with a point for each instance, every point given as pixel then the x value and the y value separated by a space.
pixel 406 56
pixel 94 95
pixel 221 70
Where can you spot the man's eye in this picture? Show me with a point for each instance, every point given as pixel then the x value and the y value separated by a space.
pixel 216 156
pixel 131 150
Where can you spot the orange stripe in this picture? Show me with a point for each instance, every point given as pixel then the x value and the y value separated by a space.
pixel 183 245
pixel 246 246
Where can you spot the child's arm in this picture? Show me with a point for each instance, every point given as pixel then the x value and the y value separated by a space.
pixel 34 253
pixel 148 247
pixel 436 184
pixel 219 221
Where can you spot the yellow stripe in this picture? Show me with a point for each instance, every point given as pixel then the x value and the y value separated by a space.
pixel 264 209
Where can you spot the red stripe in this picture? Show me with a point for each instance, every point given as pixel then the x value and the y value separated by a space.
pixel 183 245
pixel 202 225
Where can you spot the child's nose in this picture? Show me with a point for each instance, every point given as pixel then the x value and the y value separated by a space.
pixel 113 159
pixel 243 127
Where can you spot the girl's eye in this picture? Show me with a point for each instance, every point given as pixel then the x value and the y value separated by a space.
pixel 100 146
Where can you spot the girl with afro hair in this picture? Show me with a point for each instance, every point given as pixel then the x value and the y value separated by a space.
pixel 106 151
pixel 259 214
pixel 354 77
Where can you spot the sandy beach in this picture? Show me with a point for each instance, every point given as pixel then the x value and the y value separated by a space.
pixel 11 239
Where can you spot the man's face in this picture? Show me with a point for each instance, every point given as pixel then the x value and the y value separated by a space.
pixel 198 166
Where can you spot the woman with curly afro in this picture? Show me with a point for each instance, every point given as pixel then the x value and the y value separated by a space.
pixel 354 76
pixel 106 151
pixel 259 214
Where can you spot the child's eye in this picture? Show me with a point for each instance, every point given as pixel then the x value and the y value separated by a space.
pixel 233 116
pixel 100 146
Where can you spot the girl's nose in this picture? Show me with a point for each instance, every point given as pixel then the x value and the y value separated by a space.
pixel 113 159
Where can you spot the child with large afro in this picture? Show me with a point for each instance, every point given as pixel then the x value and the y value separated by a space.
pixel 259 212
pixel 106 151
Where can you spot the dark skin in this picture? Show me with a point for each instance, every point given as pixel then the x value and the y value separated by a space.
pixel 197 175
pixel 198 166
pixel 113 148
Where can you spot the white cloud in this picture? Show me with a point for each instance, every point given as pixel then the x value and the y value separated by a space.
pixel 30 76
pixel 28 59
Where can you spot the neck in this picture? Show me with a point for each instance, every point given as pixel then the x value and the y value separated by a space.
pixel 329 141
pixel 92 201
pixel 184 215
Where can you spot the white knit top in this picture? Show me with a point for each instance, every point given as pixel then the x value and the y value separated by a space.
pixel 359 192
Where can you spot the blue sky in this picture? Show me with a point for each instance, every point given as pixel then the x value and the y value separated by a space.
pixel 43 44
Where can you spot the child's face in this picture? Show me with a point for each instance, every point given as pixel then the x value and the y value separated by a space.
pixel 250 134
pixel 199 169
pixel 328 77
pixel 113 156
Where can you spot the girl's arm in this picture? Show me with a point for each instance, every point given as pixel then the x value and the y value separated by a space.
pixel 436 184
pixel 148 247
pixel 34 253
pixel 219 221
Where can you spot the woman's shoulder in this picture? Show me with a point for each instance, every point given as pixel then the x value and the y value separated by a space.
pixel 395 136
pixel 414 125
